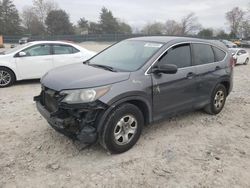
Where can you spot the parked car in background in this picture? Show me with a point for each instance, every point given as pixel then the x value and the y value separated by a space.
pixel 32 60
pixel 24 40
pixel 245 44
pixel 136 82
pixel 229 44
pixel 237 42
pixel 240 55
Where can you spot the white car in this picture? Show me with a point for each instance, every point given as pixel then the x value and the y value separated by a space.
pixel 241 56
pixel 32 60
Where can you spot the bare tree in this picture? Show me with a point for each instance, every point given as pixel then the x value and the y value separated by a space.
pixel 235 18
pixel 189 24
pixel 245 31
pixel 172 28
pixel 31 22
pixel 156 28
pixel 43 7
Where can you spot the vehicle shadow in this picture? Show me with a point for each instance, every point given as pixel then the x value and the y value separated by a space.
pixel 27 82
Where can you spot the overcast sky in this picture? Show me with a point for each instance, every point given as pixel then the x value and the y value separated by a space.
pixel 210 13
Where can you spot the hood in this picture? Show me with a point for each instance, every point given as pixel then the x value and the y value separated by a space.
pixel 5 57
pixel 80 76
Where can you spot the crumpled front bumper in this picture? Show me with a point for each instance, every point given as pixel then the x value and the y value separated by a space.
pixel 75 121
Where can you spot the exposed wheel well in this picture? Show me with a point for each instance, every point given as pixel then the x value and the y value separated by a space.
pixel 144 109
pixel 227 85
pixel 9 70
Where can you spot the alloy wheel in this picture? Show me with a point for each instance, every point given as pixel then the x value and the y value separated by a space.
pixel 219 99
pixel 5 78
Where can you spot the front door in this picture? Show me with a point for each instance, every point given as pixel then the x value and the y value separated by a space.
pixel 173 93
pixel 36 62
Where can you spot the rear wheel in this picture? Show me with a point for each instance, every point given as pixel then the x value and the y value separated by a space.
pixel 246 62
pixel 7 77
pixel 122 129
pixel 217 100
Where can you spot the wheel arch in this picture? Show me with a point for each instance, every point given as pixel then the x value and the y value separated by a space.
pixel 15 76
pixel 143 105
pixel 226 84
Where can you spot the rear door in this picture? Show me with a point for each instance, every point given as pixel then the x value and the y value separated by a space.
pixel 66 54
pixel 173 93
pixel 208 62
pixel 36 63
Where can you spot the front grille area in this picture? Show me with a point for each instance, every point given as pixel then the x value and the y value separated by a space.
pixel 49 100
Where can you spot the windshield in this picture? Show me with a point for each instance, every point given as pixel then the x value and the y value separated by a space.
pixel 126 55
pixel 17 48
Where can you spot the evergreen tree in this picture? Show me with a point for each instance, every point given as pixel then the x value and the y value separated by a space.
pixel 9 18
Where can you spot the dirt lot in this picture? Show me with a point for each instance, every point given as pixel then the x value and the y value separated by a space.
pixel 192 150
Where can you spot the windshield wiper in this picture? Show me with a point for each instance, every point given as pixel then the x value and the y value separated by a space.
pixel 86 62
pixel 104 67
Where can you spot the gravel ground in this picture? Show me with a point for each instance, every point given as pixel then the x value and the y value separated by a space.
pixel 191 150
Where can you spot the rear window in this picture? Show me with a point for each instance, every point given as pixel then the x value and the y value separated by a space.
pixel 219 54
pixel 203 54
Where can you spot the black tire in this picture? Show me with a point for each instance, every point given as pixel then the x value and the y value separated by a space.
pixel 246 62
pixel 216 102
pixel 112 125
pixel 12 78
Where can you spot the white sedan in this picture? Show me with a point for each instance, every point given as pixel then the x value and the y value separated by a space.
pixel 240 55
pixel 32 60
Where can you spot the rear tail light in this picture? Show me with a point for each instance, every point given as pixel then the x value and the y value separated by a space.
pixel 232 62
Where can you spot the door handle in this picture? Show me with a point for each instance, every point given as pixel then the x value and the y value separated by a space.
pixel 217 68
pixel 190 75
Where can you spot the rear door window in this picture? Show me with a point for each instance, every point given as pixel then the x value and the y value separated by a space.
pixel 203 54
pixel 179 55
pixel 64 49
pixel 218 54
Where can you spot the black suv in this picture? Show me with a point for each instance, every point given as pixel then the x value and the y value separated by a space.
pixel 133 83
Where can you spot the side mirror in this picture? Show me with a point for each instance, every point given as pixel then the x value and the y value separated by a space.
pixel 22 54
pixel 165 69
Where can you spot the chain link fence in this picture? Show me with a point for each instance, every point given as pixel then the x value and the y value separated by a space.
pixel 74 38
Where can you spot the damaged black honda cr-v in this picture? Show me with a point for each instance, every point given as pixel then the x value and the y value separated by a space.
pixel 134 83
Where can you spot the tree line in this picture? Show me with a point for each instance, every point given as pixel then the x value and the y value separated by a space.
pixel 45 17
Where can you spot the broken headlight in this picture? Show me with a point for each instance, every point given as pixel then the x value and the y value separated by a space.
pixel 84 95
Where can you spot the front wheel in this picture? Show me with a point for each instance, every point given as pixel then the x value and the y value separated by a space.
pixel 217 100
pixel 122 128
pixel 7 77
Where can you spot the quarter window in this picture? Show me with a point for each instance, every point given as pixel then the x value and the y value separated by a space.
pixel 203 54
pixel 38 50
pixel 178 55
pixel 64 49
pixel 218 54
